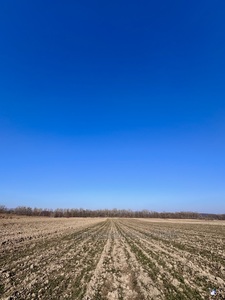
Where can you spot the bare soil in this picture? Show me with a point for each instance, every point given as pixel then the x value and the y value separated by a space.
pixel 96 258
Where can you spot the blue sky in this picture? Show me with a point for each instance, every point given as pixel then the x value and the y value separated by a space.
pixel 113 105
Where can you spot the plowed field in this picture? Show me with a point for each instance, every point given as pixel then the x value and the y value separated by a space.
pixel 93 258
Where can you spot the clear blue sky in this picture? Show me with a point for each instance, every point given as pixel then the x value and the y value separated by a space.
pixel 113 104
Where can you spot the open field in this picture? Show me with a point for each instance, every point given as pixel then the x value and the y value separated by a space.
pixel 96 258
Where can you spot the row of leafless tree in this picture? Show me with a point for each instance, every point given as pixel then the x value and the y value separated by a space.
pixel 118 213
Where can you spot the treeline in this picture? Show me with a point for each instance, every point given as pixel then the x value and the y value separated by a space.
pixel 112 213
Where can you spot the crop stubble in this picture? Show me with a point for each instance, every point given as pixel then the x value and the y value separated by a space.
pixel 94 258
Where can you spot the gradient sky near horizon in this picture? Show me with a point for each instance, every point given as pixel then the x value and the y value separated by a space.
pixel 113 104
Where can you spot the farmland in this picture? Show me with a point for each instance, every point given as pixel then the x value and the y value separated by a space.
pixel 99 258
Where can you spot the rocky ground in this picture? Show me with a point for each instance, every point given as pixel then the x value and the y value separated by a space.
pixel 94 258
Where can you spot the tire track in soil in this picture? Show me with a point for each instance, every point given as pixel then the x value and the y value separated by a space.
pixel 112 278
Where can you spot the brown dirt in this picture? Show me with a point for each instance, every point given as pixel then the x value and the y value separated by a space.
pixel 94 258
